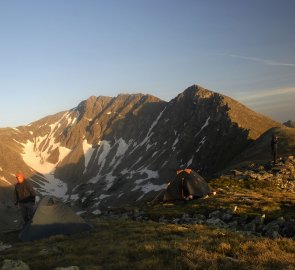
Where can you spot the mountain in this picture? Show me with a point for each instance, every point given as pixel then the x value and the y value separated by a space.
pixel 260 150
pixel 290 123
pixel 112 150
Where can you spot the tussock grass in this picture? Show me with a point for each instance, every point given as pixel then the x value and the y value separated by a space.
pixel 253 197
pixel 127 244
pixel 117 244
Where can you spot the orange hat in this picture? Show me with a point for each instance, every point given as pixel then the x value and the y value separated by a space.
pixel 20 175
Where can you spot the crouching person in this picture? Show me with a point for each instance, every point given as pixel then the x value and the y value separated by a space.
pixel 24 197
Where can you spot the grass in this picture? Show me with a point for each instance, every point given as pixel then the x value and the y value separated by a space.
pixel 254 196
pixel 127 244
pixel 117 244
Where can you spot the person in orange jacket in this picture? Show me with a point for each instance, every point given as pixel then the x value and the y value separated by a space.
pixel 24 197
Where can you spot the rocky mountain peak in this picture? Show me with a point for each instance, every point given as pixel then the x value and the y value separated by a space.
pixel 195 92
pixel 91 106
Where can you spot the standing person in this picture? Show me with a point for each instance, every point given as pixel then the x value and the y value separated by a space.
pixel 24 197
pixel 274 147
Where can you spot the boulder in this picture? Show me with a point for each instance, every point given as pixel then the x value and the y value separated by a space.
pixel 216 222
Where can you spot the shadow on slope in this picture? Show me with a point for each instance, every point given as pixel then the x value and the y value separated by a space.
pixel 260 150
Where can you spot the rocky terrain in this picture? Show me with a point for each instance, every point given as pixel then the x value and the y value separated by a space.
pixel 251 204
pixel 278 177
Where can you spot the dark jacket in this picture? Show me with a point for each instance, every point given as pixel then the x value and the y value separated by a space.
pixel 274 143
pixel 24 192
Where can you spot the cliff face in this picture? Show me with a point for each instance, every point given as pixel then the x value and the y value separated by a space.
pixel 113 150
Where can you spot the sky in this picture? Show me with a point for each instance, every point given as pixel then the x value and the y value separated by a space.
pixel 56 53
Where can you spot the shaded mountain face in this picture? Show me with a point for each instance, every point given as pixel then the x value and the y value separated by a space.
pixel 260 150
pixel 108 151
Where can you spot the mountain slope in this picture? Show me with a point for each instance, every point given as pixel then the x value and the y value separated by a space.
pixel 260 149
pixel 108 151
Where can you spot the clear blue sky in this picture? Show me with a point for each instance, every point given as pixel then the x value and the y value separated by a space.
pixel 56 53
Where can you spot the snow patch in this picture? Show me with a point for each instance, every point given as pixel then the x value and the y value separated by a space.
pixel 190 161
pixel 53 186
pixel 205 125
pixel 103 196
pixel 201 144
pixel 121 150
pixel 148 188
pixel 106 147
pixel 16 129
pixel 80 212
pixel 4 180
pixel 74 197
pixel 149 132
pixel 109 178
pixel 88 152
pixel 150 175
pixel 36 158
pixel 152 127
pixel 74 120
pixel 174 144
pixel 100 198
pixel 155 153
pixel 96 212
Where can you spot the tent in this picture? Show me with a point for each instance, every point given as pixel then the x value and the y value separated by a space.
pixel 10 218
pixel 187 183
pixel 52 217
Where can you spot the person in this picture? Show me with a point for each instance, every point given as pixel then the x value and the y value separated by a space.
pixel 24 197
pixel 274 147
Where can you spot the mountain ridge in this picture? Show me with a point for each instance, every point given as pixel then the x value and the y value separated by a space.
pixel 112 150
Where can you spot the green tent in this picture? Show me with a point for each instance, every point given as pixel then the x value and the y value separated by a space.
pixel 186 183
pixel 53 217
pixel 10 219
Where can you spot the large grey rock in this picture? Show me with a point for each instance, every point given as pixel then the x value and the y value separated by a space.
pixel 216 222
pixel 227 216
pixel 215 214
pixel 199 218
pixel 272 234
